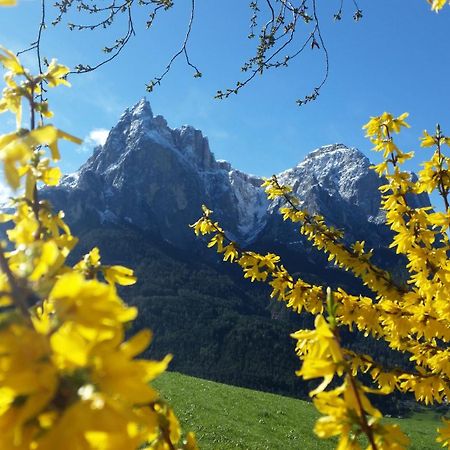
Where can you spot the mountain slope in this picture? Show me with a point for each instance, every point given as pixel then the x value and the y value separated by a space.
pixel 156 178
pixel 135 198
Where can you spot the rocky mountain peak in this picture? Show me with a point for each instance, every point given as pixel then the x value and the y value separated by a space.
pixel 195 147
pixel 336 181
pixel 334 158
pixel 333 150
pixel 137 128
pixel 141 109
pixel 335 168
pixel 137 117
pixel 156 178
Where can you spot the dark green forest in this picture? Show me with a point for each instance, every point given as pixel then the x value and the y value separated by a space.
pixel 218 325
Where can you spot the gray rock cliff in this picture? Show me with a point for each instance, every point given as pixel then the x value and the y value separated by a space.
pixel 156 178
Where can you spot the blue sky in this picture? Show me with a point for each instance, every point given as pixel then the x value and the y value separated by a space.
pixel 394 59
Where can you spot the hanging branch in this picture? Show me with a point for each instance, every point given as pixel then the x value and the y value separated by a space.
pixel 115 49
pixel 182 51
pixel 321 44
pixel 279 33
pixel 289 26
pixel 41 61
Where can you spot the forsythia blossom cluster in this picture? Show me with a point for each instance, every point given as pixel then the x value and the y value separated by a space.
pixel 68 376
pixel 437 5
pixel 411 317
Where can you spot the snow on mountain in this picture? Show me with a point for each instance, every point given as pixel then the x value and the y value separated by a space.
pixel 340 173
pixel 251 203
pixel 156 178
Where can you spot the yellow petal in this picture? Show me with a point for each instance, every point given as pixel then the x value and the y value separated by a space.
pixel 69 137
pixel 55 151
pixel 52 176
pixel 9 59
pixel 119 274
pixel 12 175
pixel 94 256
pixel 69 346
pixel 137 344
pixel 45 135
pixel 50 256
pixel 156 368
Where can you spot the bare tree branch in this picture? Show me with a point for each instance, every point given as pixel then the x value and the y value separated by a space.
pixel 289 26
pixel 115 49
pixel 36 45
pixel 182 51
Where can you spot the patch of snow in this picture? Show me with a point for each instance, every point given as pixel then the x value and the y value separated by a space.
pixel 335 168
pixel 224 165
pixel 141 108
pixel 251 204
pixel 157 137
pixel 115 166
pixel 71 180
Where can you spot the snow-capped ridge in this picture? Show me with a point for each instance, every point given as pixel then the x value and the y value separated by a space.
pixel 334 154
pixel 156 178
pixel 335 168
pixel 142 109
pixel 223 165
pixel 331 148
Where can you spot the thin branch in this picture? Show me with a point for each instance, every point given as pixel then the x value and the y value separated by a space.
pixel 378 273
pixel 338 14
pixel 364 423
pixel 442 187
pixel 313 96
pixel 38 41
pixel 271 10
pixel 281 22
pixel 267 64
pixel 183 50
pixel 120 44
pixel 36 45
pixel 279 39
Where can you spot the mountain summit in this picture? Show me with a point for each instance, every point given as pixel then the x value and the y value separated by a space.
pixel 155 178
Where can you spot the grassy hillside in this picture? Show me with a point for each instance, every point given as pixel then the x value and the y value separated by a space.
pixel 228 417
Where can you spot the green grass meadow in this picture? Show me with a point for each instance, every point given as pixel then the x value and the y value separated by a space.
pixel 228 417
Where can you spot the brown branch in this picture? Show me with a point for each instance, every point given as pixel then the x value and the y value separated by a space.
pixel 278 33
pixel 119 46
pixel 364 424
pixel 443 188
pixel 381 274
pixel 182 51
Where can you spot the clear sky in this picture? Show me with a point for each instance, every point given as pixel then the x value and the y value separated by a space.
pixel 396 59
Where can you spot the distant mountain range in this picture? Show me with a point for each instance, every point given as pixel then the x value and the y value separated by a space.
pixel 137 194
pixel 156 178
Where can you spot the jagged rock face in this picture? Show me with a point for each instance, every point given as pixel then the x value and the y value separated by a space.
pixel 336 182
pixel 332 175
pixel 156 178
